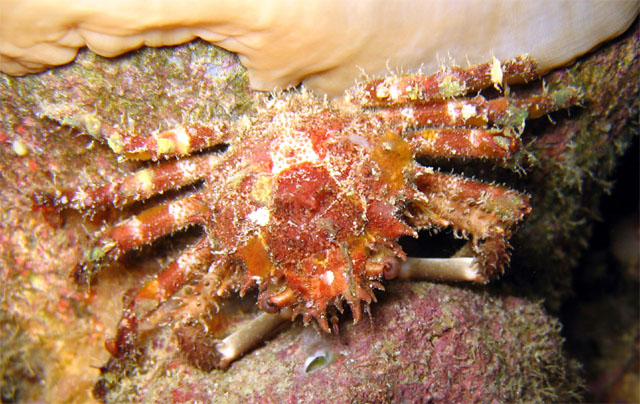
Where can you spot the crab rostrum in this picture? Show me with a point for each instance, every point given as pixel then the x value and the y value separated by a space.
pixel 310 197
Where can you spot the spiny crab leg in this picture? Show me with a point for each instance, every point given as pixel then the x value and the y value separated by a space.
pixel 249 335
pixel 480 112
pixel 486 212
pixel 195 259
pixel 514 111
pixel 448 83
pixel 179 141
pixel 140 230
pixel 139 185
pixel 459 128
pixel 462 142
pixel 461 266
pixel 136 320
pixel 442 269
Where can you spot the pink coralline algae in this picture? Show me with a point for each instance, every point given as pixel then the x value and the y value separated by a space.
pixel 424 343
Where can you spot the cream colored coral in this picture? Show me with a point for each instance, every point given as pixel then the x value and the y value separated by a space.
pixel 323 42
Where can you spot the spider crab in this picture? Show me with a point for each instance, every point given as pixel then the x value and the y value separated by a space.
pixel 309 199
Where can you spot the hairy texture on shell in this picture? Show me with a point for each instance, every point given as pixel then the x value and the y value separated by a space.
pixel 324 43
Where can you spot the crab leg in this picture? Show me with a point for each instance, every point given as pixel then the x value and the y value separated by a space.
pixel 461 266
pixel 179 272
pixel 140 185
pixel 142 229
pixel 479 112
pixel 448 83
pixel 191 262
pixel 441 269
pixel 247 336
pixel 180 141
pixel 460 142
pixel 459 128
pixel 486 212
pixel 514 111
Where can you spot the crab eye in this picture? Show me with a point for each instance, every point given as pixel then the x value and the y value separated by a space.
pixel 391 267
pixel 266 305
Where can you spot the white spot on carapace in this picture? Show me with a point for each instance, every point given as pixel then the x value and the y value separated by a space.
pixel 328 278
pixel 260 216
pixel 360 141
pixel 290 151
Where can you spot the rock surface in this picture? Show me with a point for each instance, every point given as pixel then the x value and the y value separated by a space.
pixel 424 343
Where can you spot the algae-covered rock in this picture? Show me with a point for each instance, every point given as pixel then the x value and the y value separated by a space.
pixel 52 330
pixel 570 164
pixel 424 343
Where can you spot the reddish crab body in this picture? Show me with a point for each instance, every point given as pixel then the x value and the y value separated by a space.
pixel 309 199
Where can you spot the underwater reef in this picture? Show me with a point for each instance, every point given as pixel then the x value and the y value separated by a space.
pixel 422 343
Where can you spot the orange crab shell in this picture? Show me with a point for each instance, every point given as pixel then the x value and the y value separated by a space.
pixel 310 234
